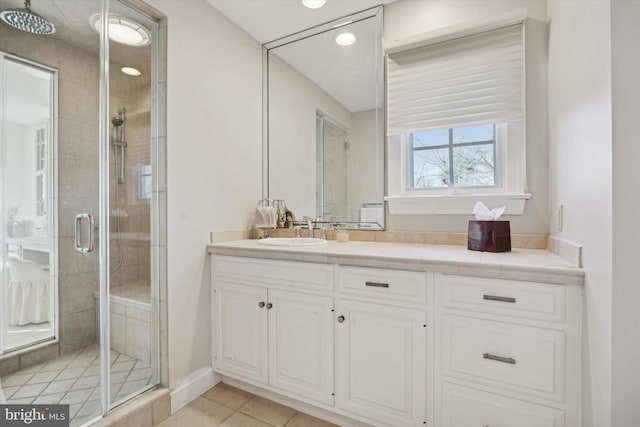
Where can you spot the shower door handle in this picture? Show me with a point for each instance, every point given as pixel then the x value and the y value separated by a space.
pixel 90 234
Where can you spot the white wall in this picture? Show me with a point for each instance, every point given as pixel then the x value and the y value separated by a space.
pixel 625 34
pixel 293 102
pixel 408 18
pixel 367 184
pixel 214 146
pixel 580 174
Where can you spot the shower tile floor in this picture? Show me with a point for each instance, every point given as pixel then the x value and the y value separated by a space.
pixel 74 379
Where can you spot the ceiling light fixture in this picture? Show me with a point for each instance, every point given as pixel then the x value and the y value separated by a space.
pixel 123 30
pixel 314 4
pixel 130 71
pixel 345 39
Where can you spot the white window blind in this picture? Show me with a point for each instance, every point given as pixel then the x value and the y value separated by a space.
pixel 477 79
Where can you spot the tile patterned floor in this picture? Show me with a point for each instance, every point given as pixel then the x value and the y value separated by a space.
pixel 226 406
pixel 75 379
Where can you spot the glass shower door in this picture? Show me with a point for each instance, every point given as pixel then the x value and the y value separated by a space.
pixel 133 298
pixel 86 191
pixel 51 214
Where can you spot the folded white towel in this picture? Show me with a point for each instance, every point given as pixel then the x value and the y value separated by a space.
pixel 266 217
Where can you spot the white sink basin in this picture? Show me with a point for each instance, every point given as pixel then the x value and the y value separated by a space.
pixel 292 241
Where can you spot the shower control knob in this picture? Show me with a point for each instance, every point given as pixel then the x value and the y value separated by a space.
pixel 261 304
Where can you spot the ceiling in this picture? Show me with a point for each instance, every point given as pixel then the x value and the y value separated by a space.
pixel 268 20
pixel 71 19
pixel 348 73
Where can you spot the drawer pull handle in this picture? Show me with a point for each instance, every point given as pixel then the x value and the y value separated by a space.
pixel 269 306
pixel 376 284
pixel 261 304
pixel 340 319
pixel 502 359
pixel 497 298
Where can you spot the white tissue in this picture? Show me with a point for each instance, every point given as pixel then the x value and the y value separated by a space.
pixel 483 213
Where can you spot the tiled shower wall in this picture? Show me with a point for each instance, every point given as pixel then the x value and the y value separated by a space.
pixel 78 107
pixel 133 94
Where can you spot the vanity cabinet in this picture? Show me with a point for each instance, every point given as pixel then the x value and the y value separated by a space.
pixel 469 407
pixel 241 330
pixel 381 361
pixel 273 336
pixel 392 347
pixel 509 351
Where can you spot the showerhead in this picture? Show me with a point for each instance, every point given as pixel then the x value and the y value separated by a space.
pixel 117 121
pixel 26 20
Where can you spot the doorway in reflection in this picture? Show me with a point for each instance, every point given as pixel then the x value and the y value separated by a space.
pixel 333 181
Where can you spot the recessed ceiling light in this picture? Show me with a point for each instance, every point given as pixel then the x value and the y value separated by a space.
pixel 123 30
pixel 345 39
pixel 130 71
pixel 314 4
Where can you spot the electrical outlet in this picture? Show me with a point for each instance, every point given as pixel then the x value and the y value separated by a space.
pixel 559 217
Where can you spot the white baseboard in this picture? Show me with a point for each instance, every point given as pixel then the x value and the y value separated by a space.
pixel 193 386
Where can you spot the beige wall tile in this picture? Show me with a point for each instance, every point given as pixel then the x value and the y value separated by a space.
pixel 141 418
pixel 161 408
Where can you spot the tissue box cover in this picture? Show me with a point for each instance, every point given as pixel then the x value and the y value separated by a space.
pixel 489 236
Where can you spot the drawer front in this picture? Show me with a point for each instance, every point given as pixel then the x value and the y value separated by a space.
pixel 465 407
pixel 508 297
pixel 521 358
pixel 283 273
pixel 396 285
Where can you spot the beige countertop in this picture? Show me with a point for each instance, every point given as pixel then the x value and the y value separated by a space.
pixel 519 264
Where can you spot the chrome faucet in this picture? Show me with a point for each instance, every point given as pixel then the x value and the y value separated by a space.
pixel 309 224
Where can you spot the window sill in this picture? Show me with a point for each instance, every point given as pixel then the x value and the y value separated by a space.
pixel 461 204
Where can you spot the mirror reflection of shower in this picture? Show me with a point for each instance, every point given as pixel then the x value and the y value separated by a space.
pixel 119 147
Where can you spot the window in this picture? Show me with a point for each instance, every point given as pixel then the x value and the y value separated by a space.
pixel 144 182
pixel 456 157
pixel 455 123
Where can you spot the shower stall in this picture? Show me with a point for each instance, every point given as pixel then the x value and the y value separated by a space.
pixel 81 202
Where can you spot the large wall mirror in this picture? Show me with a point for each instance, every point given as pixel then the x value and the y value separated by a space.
pixel 324 99
pixel 27 151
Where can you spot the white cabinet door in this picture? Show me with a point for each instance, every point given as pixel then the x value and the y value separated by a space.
pixel 241 331
pixel 381 359
pixel 301 344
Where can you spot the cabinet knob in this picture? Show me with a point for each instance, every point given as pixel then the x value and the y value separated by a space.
pixel 340 319
pixel 261 304
pixel 269 306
